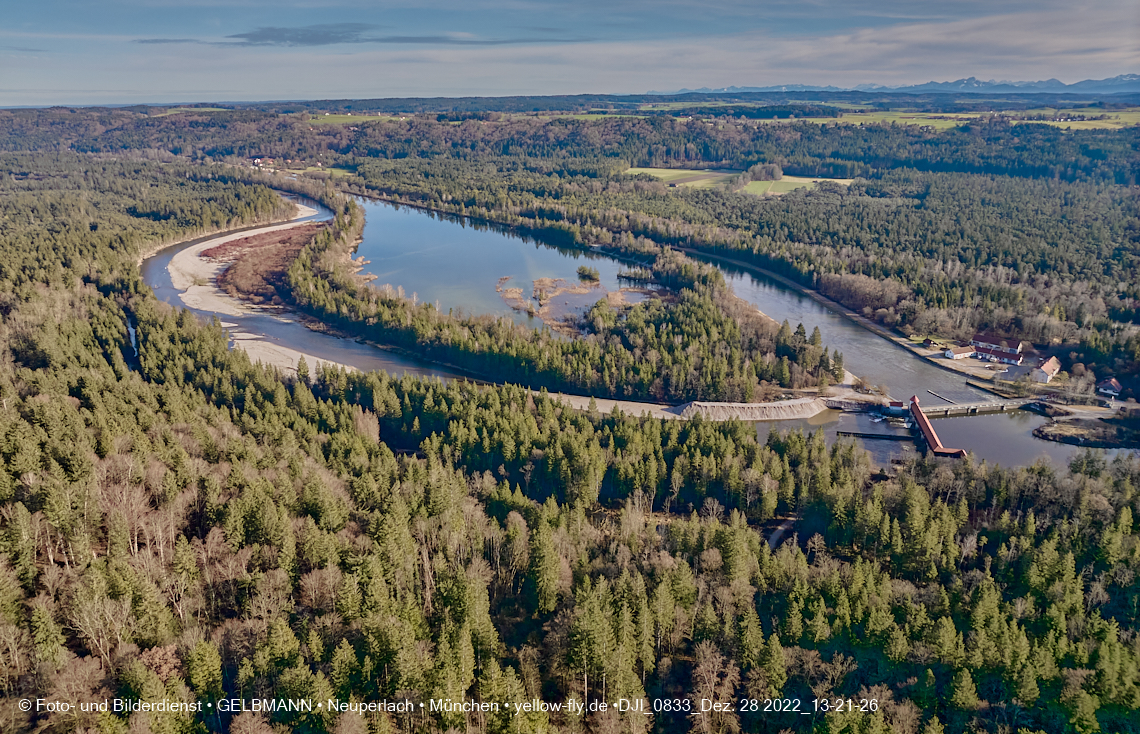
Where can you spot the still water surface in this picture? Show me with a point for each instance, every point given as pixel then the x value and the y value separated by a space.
pixel 456 262
pixel 868 355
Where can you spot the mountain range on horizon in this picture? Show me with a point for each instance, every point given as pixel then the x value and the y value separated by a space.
pixel 1121 84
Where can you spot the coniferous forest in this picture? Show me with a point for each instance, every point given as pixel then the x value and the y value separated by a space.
pixel 180 524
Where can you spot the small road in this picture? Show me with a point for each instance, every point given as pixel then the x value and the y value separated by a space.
pixel 774 538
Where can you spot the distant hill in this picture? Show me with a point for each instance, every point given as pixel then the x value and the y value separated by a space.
pixel 1122 84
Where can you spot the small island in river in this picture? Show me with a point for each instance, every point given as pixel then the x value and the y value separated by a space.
pixel 560 303
pixel 257 264
pixel 1097 433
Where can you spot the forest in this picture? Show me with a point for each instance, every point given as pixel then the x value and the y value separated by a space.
pixel 928 253
pixel 803 148
pixel 179 524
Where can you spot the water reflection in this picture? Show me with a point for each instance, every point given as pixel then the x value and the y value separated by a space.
pixel 868 355
pixel 457 261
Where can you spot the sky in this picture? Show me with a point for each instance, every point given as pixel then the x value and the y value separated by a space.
pixel 167 51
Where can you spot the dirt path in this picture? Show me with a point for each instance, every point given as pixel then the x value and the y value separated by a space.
pixel 774 538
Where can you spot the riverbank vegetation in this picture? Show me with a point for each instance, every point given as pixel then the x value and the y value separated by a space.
pixel 182 525
pixel 257 265
pixel 1114 432
pixel 701 344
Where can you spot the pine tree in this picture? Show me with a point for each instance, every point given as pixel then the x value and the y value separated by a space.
pixel 837 370
pixel 933 726
pixel 344 668
pixel 1027 690
pixel 898 646
pixel 751 639
pixel 47 637
pixel 775 665
pixel 794 621
pixel 818 627
pixel 545 568
pixel 204 670
pixel 965 695
pixel 303 370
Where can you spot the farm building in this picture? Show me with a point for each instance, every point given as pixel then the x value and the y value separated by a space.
pixel 1110 387
pixel 998 355
pixel 999 344
pixel 1047 371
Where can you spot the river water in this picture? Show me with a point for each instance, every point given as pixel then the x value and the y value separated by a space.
pixel 877 360
pixel 457 262
pixel 285 330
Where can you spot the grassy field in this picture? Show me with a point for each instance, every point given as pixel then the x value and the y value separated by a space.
pixel 687 177
pixel 587 116
pixel 1117 118
pixel 788 183
pixel 348 119
pixel 943 120
pixel 938 120
pixel 181 110
pixel 332 171
pixel 708 179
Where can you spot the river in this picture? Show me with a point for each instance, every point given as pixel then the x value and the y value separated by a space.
pixel 876 360
pixel 284 330
pixel 456 262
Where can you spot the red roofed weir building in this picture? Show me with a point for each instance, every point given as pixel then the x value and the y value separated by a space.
pixel 928 433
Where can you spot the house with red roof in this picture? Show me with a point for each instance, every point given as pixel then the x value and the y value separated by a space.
pixel 1047 371
pixel 1110 387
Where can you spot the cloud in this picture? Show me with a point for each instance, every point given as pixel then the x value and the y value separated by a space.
pixel 159 41
pixel 1090 39
pixel 333 34
pixel 457 40
pixel 21 49
pixel 324 34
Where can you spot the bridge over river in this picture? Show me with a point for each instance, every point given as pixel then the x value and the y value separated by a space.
pixel 987 406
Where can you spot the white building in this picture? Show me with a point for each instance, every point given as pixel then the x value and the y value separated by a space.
pixel 1047 371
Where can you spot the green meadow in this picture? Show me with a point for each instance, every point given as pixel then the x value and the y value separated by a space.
pixel 687 177
pixel 788 183
pixel 709 178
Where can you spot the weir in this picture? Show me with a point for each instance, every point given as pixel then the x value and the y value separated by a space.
pixel 989 406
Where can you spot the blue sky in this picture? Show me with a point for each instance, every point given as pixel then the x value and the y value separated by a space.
pixel 156 51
